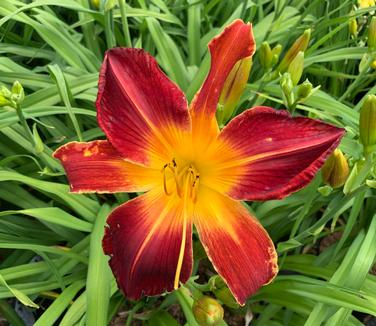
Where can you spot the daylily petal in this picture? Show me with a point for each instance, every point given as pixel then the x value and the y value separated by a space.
pixel 144 239
pixel 141 111
pixel 233 44
pixel 97 167
pixel 236 243
pixel 273 154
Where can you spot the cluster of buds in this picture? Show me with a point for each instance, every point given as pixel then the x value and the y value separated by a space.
pixel 292 66
pixel 300 45
pixel 268 56
pixel 12 97
pixel 369 58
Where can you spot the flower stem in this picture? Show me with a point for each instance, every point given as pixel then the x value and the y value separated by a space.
pixel 24 124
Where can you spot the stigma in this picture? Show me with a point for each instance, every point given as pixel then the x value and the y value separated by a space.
pixel 181 179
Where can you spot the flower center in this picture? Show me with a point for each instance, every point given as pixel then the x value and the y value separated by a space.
pixel 185 180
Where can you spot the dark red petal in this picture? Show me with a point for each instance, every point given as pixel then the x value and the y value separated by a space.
pixel 236 243
pixel 97 167
pixel 275 153
pixel 233 44
pixel 143 239
pixel 140 110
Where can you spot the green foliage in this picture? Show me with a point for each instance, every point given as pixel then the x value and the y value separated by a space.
pixel 54 48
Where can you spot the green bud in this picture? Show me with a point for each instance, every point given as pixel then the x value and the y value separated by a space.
pixel 287 88
pixel 3 101
pixel 266 55
pixel 353 27
pixel 225 295
pixel 335 170
pixel 300 44
pixel 296 68
pixel 276 53
pixel 367 123
pixel 18 93
pixel 207 311
pixel 109 5
pixel 5 92
pixel 96 3
pixel 372 34
pixel 233 88
pixel 304 90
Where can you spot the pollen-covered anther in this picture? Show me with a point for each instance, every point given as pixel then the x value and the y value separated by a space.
pixel 185 179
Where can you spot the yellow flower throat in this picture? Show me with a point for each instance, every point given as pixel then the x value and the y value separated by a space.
pixel 185 178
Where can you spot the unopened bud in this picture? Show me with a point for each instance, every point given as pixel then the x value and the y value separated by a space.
pixel 287 87
pixel 3 101
pixel 373 64
pixel 5 92
pixel 371 42
pixel 353 27
pixel 300 44
pixel 276 53
pixel 367 123
pixel 365 3
pixel 335 170
pixel 5 96
pixel 18 93
pixel 234 86
pixel 207 311
pixel 304 90
pixel 95 3
pixel 296 68
pixel 266 55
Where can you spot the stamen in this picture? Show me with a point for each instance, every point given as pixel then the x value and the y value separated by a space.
pixel 165 180
pixel 186 180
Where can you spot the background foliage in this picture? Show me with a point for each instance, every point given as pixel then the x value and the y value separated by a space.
pixel 50 240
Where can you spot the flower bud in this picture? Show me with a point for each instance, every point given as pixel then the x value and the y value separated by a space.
pixel 373 64
pixel 5 96
pixel 371 42
pixel 5 92
pixel 276 53
pixel 365 3
pixel 233 87
pixel 300 44
pixel 304 90
pixel 207 311
pixel 96 3
pixel 18 93
pixel 353 27
pixel 287 87
pixel 367 122
pixel 296 68
pixel 266 55
pixel 335 170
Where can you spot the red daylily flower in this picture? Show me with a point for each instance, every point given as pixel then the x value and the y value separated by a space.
pixel 191 172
